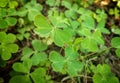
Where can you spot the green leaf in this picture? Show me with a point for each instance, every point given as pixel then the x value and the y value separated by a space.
pixel 43 25
pixel 74 67
pixel 98 37
pixel 117 51
pixel 3 3
pixel 20 67
pixel 20 79
pixel 38 45
pixel 2 36
pixel 6 55
pixel 32 14
pixel 10 38
pixel 13 4
pixel 23 67
pixel 103 74
pixel 2 12
pixel 115 42
pixel 58 61
pixel 89 44
pixel 59 21
pixel 70 53
pixel 66 4
pixel 21 12
pixel 61 37
pixel 50 2
pixel 101 26
pixel 3 24
pixel 33 5
pixel 27 52
pixel 38 75
pixel 115 30
pixel 39 58
pixel 11 21
pixel 88 21
pixel 84 32
pixel 13 48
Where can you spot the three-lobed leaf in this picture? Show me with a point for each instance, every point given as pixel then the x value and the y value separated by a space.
pixel 38 75
pixel 43 25
pixel 104 73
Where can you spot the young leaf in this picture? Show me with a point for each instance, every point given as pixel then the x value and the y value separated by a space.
pixel 43 25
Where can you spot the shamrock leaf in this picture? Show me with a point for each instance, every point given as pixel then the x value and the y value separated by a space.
pixel 58 61
pixel 61 37
pixel 38 75
pixel 44 27
pixel 73 65
pixel 27 52
pixel 103 74
pixel 7 45
pixel 38 45
pixel 39 58
pixel 88 21
pixel 23 67
pixel 69 63
pixel 89 44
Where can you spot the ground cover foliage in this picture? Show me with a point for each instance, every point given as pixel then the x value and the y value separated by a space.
pixel 59 41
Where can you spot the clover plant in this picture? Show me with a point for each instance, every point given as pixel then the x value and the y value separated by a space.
pixel 6 14
pixel 115 43
pixel 69 63
pixel 103 74
pixel 67 41
pixel 44 28
pixel 26 76
pixel 29 59
pixel 7 45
